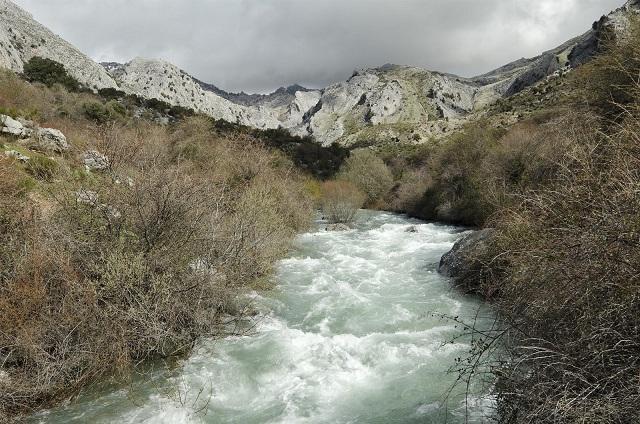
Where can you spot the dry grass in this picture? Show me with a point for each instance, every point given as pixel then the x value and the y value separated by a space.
pixel 183 223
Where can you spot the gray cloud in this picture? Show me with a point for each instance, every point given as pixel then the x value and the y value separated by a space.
pixel 259 45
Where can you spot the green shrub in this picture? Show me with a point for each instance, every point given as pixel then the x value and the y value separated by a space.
pixel 49 72
pixel 103 113
pixel 42 168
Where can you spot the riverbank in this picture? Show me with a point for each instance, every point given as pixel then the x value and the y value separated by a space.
pixel 348 334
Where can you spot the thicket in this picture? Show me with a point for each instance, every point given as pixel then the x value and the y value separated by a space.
pixel 366 171
pixel 104 270
pixel 341 200
pixel 49 72
pixel 563 265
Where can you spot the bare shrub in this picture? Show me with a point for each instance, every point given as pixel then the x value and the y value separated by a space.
pixel 563 269
pixel 341 201
pixel 370 174
pixel 136 263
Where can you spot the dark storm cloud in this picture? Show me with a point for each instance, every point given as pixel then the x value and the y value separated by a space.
pixel 258 45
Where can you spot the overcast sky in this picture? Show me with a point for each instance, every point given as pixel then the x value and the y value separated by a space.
pixel 259 45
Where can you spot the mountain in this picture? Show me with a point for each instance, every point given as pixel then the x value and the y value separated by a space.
pixel 22 37
pixel 392 102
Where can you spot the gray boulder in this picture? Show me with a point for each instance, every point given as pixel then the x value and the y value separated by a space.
pixel 95 161
pixel 52 140
pixel 464 263
pixel 87 197
pixel 337 227
pixel 16 155
pixel 10 126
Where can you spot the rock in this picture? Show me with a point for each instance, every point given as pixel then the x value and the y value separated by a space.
pixel 464 262
pixel 16 155
pixel 4 378
pixel 10 126
pixel 22 38
pixel 412 229
pixel 337 227
pixel 111 213
pixel 87 197
pixel 52 139
pixel 95 161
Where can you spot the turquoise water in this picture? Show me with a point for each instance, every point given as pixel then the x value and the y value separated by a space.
pixel 347 336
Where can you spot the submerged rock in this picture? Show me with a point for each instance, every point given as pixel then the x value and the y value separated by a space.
pixel 464 262
pixel 337 227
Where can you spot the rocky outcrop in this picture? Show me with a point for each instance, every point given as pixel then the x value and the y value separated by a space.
pixel 95 161
pixel 50 139
pixel 22 37
pixel 16 155
pixel 13 127
pixel 464 263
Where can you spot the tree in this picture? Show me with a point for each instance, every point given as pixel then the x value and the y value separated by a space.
pixel 49 72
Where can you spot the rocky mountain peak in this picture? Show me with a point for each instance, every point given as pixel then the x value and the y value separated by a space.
pixel 22 37
pixel 390 102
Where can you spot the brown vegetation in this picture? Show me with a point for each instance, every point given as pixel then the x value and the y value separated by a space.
pixel 103 270
pixel 341 201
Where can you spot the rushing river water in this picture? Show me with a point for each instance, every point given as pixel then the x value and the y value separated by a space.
pixel 349 336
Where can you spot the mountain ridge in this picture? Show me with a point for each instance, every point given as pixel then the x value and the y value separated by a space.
pixel 390 102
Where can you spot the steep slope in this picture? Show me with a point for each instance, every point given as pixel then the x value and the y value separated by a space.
pixel 393 102
pixel 22 37
pixel 404 104
pixel 161 80
pixel 390 103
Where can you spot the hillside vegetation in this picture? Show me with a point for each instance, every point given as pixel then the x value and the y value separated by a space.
pixel 135 241
pixel 561 188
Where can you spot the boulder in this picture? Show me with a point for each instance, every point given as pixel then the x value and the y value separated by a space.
pixel 10 126
pixel 337 227
pixel 16 155
pixel 87 197
pixel 52 140
pixel 464 263
pixel 95 161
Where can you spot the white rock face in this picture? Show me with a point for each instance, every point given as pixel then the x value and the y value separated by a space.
pixel 22 37
pixel 95 161
pixel 8 125
pixel 161 80
pixel 395 103
pixel 16 155
pixel 52 140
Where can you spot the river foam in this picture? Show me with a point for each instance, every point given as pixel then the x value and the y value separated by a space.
pixel 347 336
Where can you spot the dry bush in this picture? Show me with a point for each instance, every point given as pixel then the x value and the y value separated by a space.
pixel 565 265
pixel 410 189
pixel 165 247
pixel 563 269
pixel 341 201
pixel 370 174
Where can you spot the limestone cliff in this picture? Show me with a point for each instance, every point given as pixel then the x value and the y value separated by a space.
pixel 386 104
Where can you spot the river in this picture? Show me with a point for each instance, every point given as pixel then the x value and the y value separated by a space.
pixel 350 334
